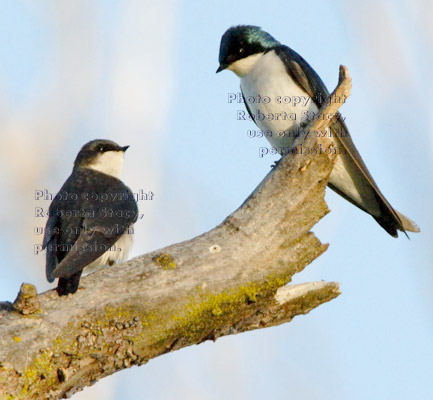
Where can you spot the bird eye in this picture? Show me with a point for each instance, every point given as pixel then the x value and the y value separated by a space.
pixel 241 50
pixel 101 149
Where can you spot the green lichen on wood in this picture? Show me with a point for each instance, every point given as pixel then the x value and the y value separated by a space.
pixel 164 260
pixel 38 374
pixel 144 334
pixel 42 372
pixel 208 312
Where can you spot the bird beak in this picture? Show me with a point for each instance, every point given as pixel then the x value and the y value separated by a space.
pixel 221 68
pixel 125 148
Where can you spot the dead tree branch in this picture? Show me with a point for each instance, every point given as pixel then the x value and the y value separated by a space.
pixel 226 281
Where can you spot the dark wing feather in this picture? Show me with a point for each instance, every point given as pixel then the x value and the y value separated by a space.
pixel 50 242
pixel 90 245
pixel 246 106
pixel 309 80
pixel 96 230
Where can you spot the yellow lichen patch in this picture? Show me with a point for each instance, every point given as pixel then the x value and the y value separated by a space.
pixel 40 370
pixel 78 339
pixel 17 339
pixel 164 260
pixel 206 312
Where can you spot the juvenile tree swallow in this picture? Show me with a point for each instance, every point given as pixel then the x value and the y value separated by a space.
pixel 272 70
pixel 91 218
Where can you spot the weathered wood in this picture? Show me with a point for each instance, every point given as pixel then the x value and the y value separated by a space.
pixel 228 280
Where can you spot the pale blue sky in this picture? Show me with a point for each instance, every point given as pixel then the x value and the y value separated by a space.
pixel 144 75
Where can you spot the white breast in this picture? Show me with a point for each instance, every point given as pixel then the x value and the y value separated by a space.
pixel 109 163
pixel 269 78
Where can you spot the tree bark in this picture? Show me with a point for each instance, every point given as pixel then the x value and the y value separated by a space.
pixel 226 281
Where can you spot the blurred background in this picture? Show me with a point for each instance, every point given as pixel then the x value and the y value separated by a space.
pixel 143 74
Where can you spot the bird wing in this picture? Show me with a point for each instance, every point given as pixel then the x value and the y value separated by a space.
pixel 305 76
pixel 50 241
pixel 246 106
pixel 99 229
pixel 90 245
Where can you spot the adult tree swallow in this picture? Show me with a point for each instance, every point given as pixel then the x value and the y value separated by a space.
pixel 91 218
pixel 269 69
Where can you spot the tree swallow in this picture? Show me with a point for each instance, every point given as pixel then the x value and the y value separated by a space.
pixel 90 219
pixel 272 76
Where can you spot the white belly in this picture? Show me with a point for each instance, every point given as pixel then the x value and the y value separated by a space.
pixel 269 80
pixel 117 254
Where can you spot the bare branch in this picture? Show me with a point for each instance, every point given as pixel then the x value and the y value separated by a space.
pixel 228 280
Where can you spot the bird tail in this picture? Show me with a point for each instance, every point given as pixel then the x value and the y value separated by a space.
pixel 388 222
pixel 407 223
